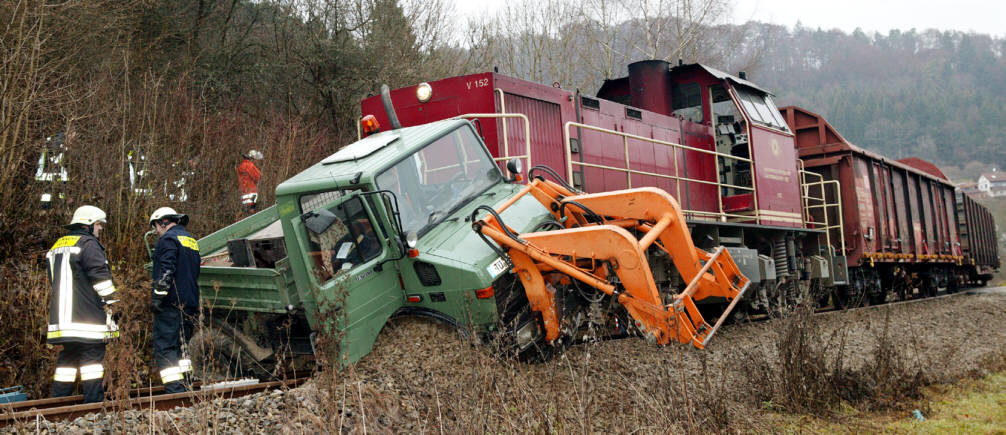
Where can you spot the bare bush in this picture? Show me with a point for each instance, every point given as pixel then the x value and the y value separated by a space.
pixel 809 370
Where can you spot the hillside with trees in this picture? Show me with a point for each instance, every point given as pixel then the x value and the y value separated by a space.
pixel 937 95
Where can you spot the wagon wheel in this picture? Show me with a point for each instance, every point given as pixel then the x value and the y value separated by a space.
pixel 953 284
pixel 820 294
pixel 901 289
pixel 929 288
pixel 852 295
pixel 875 288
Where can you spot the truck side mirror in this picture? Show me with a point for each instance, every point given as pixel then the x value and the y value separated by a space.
pixel 318 221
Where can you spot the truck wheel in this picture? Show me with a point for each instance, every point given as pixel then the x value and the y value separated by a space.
pixel 217 356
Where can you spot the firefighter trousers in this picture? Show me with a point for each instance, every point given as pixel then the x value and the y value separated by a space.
pixel 174 366
pixel 85 358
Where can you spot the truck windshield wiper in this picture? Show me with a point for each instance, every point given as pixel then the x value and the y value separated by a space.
pixel 433 216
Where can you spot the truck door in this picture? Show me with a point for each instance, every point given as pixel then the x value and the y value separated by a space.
pixel 343 246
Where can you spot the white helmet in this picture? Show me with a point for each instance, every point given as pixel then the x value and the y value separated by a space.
pixel 169 213
pixel 255 154
pixel 87 215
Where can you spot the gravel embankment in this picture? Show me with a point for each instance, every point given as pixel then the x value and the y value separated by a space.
pixel 422 377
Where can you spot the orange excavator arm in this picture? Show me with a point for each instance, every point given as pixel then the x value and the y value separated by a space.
pixel 597 241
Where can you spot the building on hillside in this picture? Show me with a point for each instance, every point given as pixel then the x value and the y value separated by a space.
pixel 992 184
pixel 970 189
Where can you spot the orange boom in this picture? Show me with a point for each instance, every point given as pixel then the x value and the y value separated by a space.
pixel 597 247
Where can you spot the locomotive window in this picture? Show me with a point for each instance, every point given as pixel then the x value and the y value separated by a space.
pixel 686 100
pixel 761 109
pixel 780 122
pixel 724 109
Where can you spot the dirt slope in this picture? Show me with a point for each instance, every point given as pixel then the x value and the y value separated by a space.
pixel 422 377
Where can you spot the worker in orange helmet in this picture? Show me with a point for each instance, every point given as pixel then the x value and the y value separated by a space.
pixel 248 176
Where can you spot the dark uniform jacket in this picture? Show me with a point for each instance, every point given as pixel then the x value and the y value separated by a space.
pixel 81 283
pixel 177 254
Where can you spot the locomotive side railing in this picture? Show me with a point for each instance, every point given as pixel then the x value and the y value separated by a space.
pixel 628 171
pixel 812 202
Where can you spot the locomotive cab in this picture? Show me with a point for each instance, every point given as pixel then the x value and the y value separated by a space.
pixel 756 162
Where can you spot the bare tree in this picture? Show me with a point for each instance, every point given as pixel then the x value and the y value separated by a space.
pixel 529 39
pixel 580 44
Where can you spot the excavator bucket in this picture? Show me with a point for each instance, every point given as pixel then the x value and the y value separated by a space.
pixel 602 243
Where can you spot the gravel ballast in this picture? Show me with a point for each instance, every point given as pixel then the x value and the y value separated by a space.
pixel 422 376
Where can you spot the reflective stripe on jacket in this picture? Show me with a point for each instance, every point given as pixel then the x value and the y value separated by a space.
pixel 81 283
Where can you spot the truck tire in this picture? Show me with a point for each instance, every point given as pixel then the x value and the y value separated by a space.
pixel 218 356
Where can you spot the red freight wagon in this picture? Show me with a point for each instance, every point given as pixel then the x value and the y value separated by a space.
pixel 897 215
pixel 978 239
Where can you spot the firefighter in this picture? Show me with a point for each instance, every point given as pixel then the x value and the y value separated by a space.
pixel 138 174
pixel 174 296
pixel 79 314
pixel 188 171
pixel 248 176
pixel 52 165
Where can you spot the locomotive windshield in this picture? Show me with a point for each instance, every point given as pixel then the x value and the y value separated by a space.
pixel 761 108
pixel 444 175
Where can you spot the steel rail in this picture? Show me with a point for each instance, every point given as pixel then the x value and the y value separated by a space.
pixel 52 402
pixel 148 401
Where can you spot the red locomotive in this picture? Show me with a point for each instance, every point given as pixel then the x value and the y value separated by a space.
pixel 806 215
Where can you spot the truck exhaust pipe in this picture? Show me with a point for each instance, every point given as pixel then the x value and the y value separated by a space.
pixel 389 107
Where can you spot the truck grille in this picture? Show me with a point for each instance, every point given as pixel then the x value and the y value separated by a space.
pixel 427 273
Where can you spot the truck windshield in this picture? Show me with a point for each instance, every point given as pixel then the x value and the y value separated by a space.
pixel 435 181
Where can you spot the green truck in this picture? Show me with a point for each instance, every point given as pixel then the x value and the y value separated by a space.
pixel 390 225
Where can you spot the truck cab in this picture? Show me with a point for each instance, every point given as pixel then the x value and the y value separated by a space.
pixel 380 228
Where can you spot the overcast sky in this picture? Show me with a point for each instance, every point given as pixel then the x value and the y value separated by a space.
pixel 982 16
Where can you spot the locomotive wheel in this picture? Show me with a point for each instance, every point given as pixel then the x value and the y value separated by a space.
pixel 823 297
pixel 840 297
pixel 852 295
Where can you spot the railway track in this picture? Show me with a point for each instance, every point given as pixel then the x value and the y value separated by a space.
pixel 63 408
pixel 941 295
